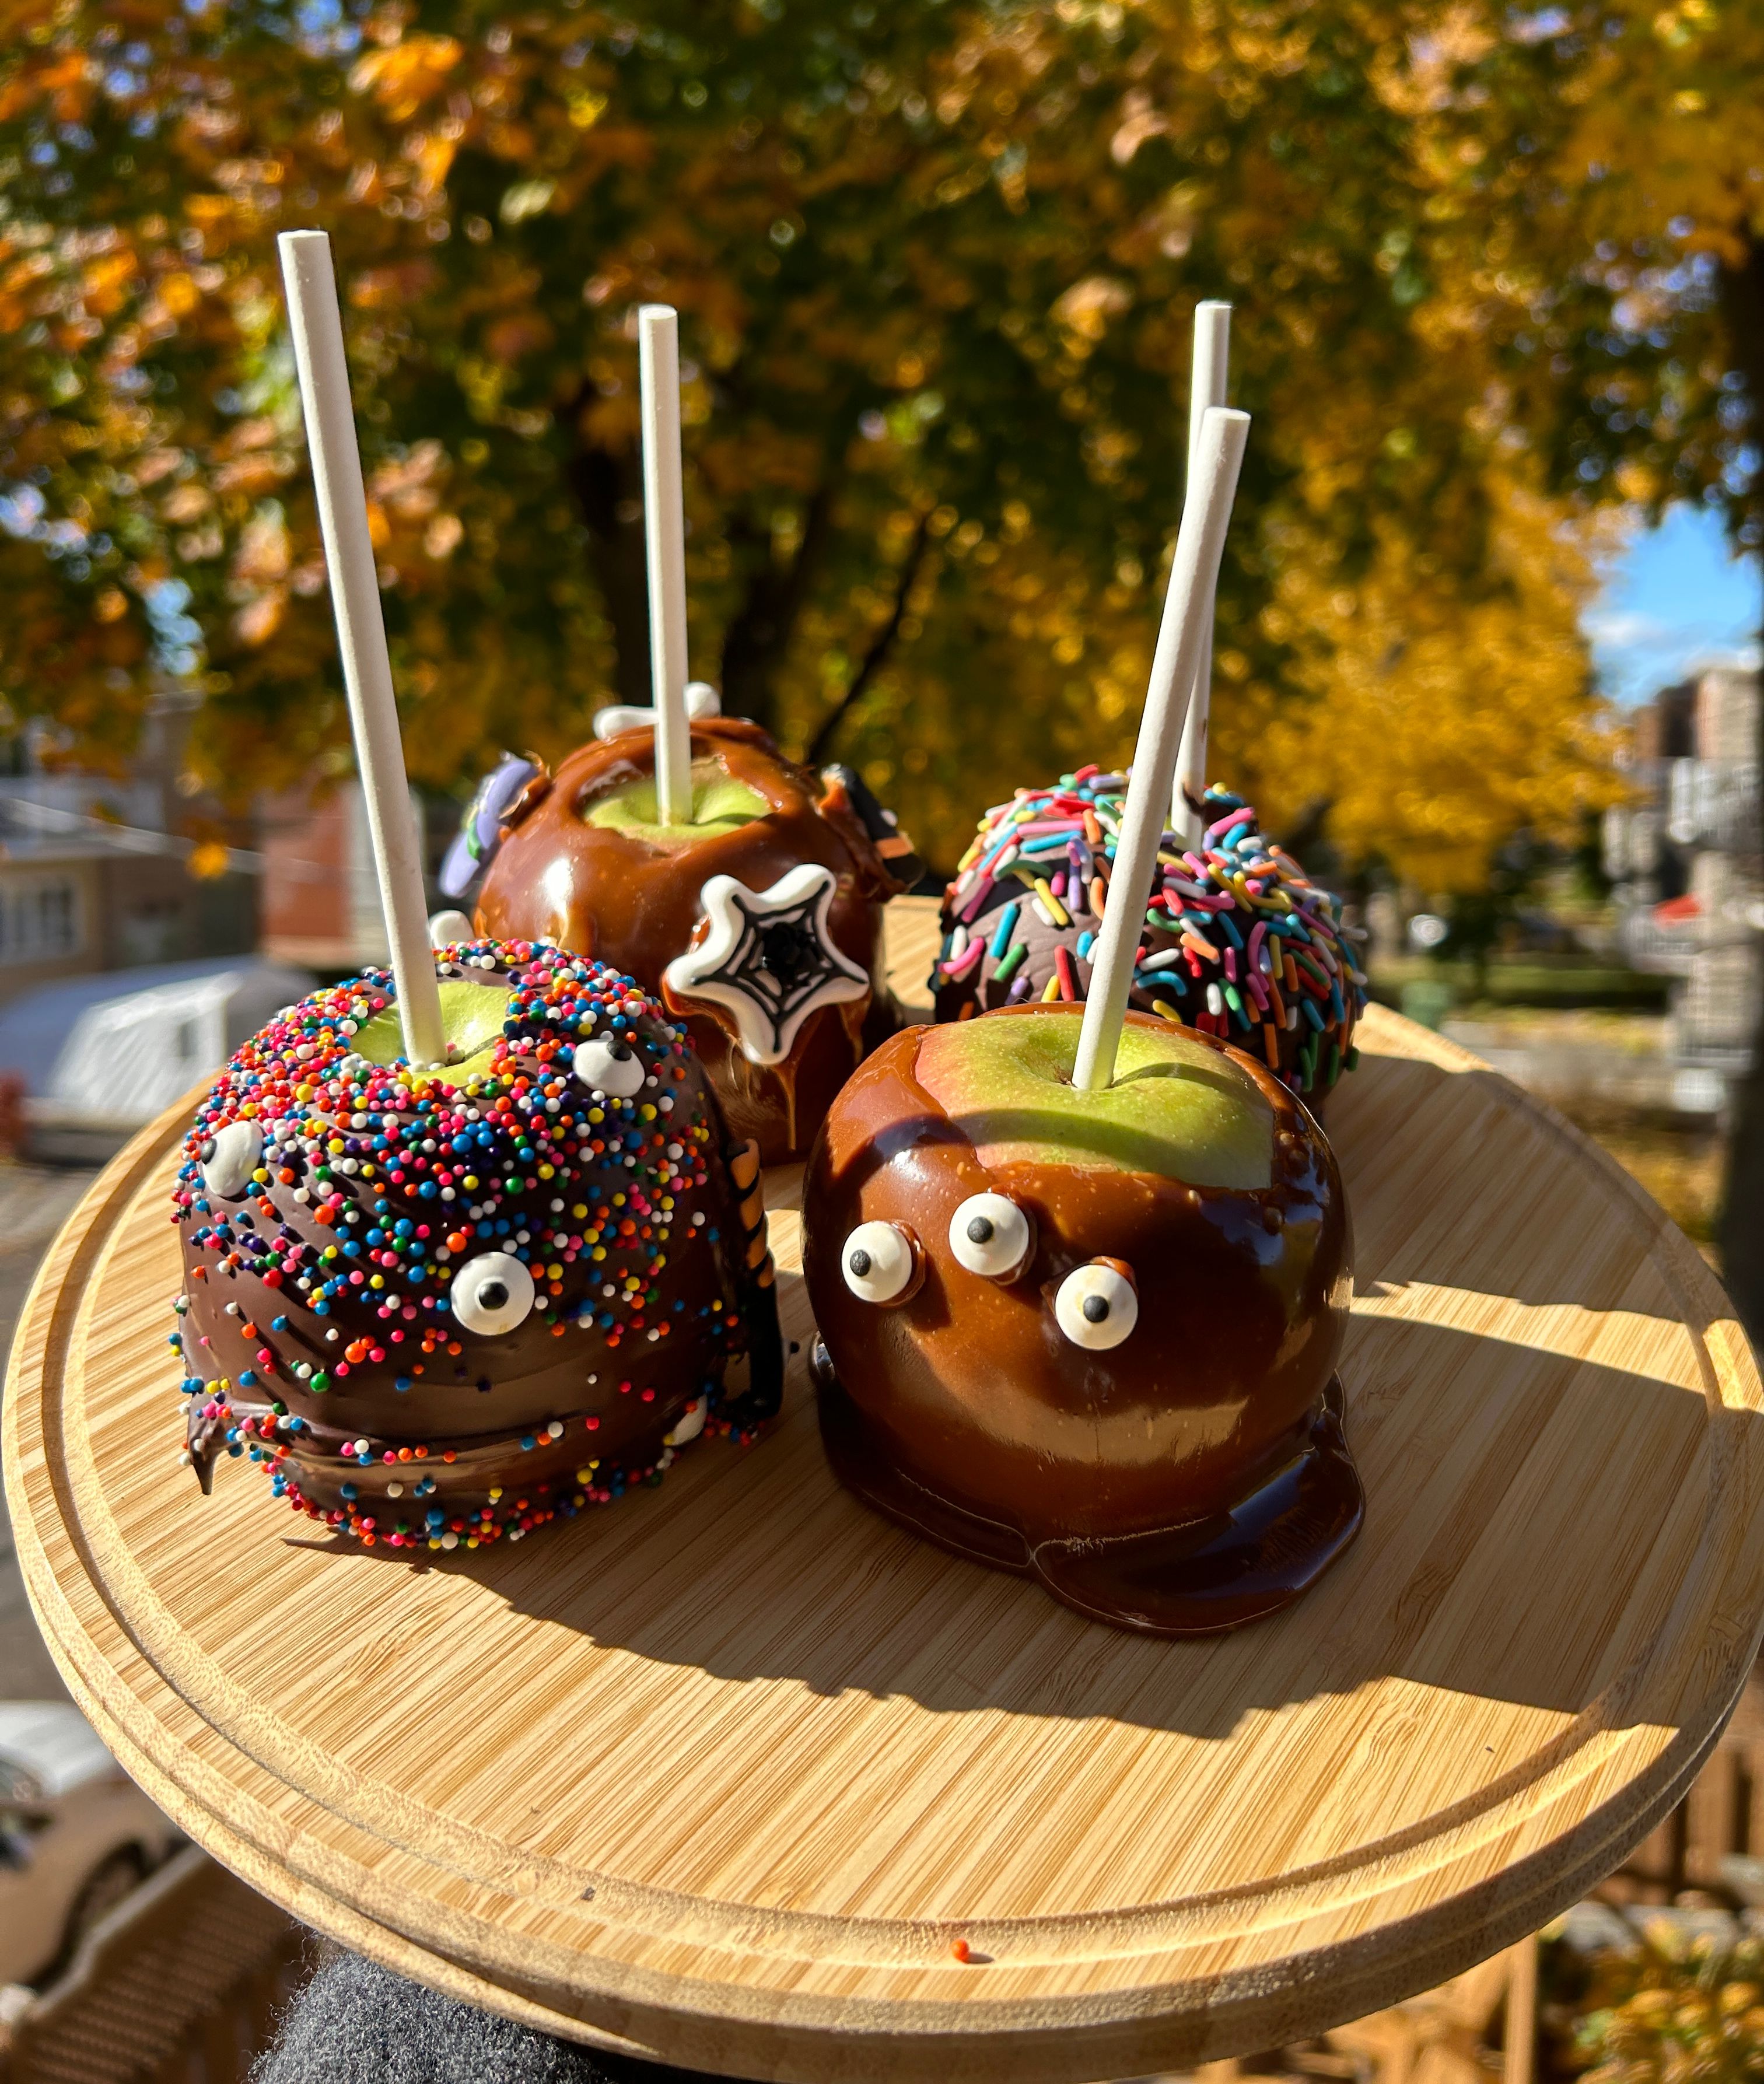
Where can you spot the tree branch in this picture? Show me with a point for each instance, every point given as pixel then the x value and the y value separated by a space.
pixel 880 645
pixel 608 488
pixel 760 633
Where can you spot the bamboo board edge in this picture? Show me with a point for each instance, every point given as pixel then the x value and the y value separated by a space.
pixel 846 2043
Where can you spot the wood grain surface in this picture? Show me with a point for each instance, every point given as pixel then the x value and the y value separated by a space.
pixel 721 1772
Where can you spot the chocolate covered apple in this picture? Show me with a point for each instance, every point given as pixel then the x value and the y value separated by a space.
pixel 1237 940
pixel 757 919
pixel 442 1305
pixel 1087 1336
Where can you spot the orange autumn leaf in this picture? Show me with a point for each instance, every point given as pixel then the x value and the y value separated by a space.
pixel 402 77
pixel 208 859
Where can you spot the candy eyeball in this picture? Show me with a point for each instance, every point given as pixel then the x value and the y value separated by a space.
pixel 492 1293
pixel 878 1262
pixel 448 929
pixel 990 1235
pixel 1096 1306
pixel 231 1158
pixel 606 1065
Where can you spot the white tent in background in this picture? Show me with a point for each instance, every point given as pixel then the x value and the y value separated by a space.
pixel 110 1052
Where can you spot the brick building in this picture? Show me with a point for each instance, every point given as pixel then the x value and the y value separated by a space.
pixel 320 903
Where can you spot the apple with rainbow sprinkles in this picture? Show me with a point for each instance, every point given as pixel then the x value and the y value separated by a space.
pixel 466 1245
pixel 442 1305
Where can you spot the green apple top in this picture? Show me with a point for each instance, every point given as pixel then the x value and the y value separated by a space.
pixel 472 1011
pixel 720 803
pixel 1176 1108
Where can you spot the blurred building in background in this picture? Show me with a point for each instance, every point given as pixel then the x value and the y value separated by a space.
pixel 1683 858
pixel 95 870
pixel 129 928
pixel 139 947
pixel 320 903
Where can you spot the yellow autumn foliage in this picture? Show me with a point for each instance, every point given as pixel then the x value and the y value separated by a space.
pixel 936 269
pixel 1433 728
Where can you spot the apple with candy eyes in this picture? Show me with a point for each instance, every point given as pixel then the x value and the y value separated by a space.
pixel 1089 1336
pixel 445 1306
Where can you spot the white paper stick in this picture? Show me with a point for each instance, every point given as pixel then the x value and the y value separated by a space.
pixel 665 529
pixel 1208 383
pixel 1187 607
pixel 317 327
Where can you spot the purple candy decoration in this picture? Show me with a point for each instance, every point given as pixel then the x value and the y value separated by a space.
pixel 475 846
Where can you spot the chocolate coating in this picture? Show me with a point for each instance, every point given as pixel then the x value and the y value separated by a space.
pixel 1190 1478
pixel 634 900
pixel 345 1289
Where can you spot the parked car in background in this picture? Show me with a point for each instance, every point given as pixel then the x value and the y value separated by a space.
pixel 76 1835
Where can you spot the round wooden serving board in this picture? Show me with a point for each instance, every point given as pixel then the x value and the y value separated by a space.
pixel 719 1773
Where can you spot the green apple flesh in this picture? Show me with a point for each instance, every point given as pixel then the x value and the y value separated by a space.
pixel 1176 1107
pixel 720 804
pixel 471 1015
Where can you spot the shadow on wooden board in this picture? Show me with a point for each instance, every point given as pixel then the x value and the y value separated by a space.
pixel 724 1772
pixel 1504 1381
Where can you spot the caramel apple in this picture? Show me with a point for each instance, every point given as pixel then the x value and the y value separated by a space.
pixel 1088 1336
pixel 758 921
pixel 444 1305
pixel 1238 942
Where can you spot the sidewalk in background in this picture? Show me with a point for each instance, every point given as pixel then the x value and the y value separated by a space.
pixel 34 1202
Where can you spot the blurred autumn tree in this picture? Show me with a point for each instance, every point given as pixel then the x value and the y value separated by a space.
pixel 1595 238
pixel 936 265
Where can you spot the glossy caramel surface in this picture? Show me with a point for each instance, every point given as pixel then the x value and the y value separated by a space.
pixel 964 1409
pixel 630 897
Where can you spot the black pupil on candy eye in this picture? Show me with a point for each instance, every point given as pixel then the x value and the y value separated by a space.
pixel 1096 1309
pixel 980 1230
pixel 860 1262
pixel 493 1295
pixel 618 1052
